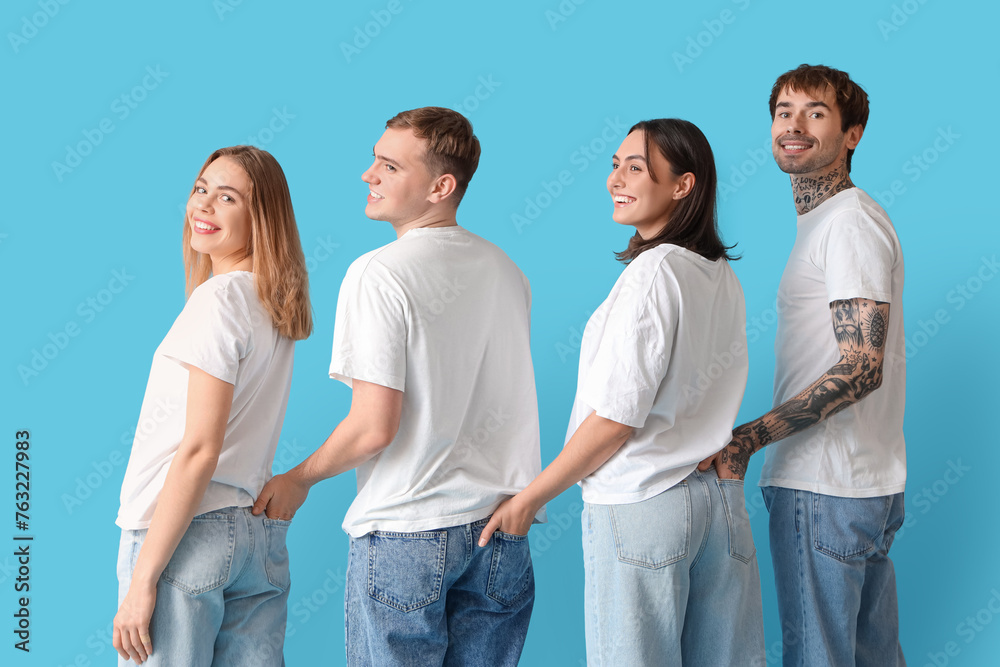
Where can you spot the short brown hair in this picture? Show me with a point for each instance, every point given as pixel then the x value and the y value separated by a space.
pixel 852 100
pixel 452 148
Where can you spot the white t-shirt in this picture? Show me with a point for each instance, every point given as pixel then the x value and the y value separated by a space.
pixel 845 248
pixel 225 331
pixel 666 354
pixel 443 316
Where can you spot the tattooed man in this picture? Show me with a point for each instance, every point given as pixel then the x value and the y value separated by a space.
pixel 835 462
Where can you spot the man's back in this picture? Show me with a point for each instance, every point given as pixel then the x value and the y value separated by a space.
pixel 443 316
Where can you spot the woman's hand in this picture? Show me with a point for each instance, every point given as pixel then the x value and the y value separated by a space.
pixel 513 516
pixel 131 635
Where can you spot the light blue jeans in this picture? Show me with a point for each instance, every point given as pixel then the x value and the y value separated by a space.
pixel 836 585
pixel 673 580
pixel 436 598
pixel 222 599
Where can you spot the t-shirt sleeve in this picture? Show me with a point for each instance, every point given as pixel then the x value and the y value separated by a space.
pixel 212 333
pixel 858 257
pixel 632 357
pixel 369 335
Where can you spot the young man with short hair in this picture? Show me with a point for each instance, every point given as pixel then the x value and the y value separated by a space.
pixel 833 485
pixel 432 336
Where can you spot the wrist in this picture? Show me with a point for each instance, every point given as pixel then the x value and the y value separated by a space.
pixel 143 580
pixel 300 477
pixel 527 504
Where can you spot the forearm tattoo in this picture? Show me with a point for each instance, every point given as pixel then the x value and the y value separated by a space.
pixel 860 327
pixel 811 192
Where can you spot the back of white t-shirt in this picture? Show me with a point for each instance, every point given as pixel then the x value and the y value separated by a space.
pixel 666 354
pixel 845 248
pixel 224 331
pixel 443 316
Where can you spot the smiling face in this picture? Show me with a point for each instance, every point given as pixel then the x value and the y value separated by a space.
pixel 640 201
pixel 401 188
pixel 219 217
pixel 806 133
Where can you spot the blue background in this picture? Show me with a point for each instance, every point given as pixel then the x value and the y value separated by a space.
pixel 305 82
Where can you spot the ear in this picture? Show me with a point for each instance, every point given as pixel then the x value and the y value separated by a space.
pixel 685 184
pixel 442 188
pixel 854 136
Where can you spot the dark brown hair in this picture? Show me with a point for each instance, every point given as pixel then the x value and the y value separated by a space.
pixel 852 100
pixel 452 148
pixel 693 224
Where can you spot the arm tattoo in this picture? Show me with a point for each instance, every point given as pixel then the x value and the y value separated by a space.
pixel 859 326
pixel 736 456
pixel 877 329
pixel 846 322
pixel 811 192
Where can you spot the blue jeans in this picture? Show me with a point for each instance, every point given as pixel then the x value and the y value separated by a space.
pixel 222 598
pixel 836 585
pixel 436 598
pixel 673 580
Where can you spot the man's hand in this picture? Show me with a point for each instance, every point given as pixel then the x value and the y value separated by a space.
pixel 732 461
pixel 131 627
pixel 513 516
pixel 281 497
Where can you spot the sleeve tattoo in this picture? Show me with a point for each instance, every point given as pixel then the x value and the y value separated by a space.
pixel 860 327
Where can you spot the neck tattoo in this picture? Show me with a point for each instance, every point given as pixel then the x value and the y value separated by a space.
pixel 810 192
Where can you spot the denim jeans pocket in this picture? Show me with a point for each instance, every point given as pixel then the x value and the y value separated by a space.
pixel 849 528
pixel 405 570
pixel 656 532
pixel 204 555
pixel 276 558
pixel 511 574
pixel 741 546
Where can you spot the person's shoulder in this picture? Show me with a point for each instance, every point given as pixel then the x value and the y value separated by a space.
pixel 373 264
pixel 856 204
pixel 233 288
pixel 668 258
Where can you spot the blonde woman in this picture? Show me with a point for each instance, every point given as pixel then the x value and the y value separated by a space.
pixel 201 580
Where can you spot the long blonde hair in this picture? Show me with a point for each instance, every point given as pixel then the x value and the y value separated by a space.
pixel 279 266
